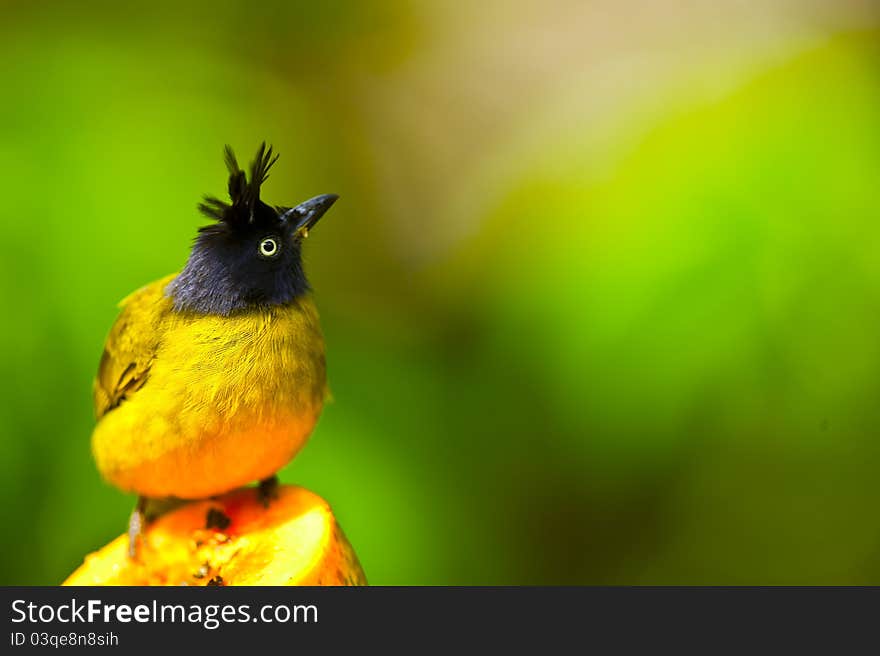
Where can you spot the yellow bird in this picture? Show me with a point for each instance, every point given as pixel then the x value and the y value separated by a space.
pixel 215 376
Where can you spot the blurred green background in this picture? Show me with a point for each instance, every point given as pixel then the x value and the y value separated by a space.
pixel 601 294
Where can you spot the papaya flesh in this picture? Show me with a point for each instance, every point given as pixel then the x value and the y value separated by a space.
pixel 234 539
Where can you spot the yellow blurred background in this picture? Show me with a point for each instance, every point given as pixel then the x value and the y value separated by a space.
pixel 601 293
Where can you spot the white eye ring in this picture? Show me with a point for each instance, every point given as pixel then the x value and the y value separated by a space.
pixel 269 247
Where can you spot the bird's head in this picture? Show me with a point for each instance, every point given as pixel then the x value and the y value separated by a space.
pixel 251 255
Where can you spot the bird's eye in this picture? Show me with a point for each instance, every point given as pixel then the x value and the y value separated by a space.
pixel 269 247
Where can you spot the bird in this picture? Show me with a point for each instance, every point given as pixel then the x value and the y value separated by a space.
pixel 214 377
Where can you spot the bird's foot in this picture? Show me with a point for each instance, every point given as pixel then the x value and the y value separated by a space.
pixel 136 524
pixel 267 490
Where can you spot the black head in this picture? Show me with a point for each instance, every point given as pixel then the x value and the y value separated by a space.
pixel 251 256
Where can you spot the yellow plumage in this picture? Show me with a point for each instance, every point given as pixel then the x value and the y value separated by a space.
pixel 192 405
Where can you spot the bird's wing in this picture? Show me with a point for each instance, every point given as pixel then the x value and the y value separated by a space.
pixel 131 346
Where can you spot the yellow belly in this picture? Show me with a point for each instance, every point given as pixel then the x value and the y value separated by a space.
pixel 228 400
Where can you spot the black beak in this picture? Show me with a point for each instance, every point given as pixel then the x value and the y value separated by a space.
pixel 305 215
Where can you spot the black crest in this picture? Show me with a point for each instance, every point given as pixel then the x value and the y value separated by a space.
pixel 246 208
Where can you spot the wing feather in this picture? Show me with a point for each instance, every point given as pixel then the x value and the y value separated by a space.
pixel 131 346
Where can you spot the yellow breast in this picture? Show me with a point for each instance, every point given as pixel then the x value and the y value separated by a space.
pixel 226 401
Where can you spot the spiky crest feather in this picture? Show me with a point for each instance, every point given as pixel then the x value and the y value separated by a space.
pixel 244 193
